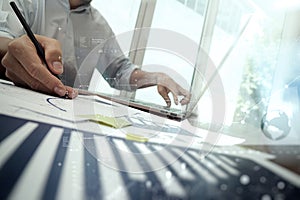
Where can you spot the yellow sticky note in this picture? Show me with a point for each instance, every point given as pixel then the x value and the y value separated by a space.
pixel 136 138
pixel 108 121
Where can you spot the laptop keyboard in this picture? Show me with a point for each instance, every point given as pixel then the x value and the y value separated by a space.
pixel 153 105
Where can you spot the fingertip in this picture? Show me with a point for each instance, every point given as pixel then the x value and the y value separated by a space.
pixel 184 101
pixel 175 100
pixel 71 93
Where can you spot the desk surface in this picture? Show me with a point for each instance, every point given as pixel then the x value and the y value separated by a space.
pixel 39 160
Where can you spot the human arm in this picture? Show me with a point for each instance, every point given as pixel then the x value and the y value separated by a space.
pixel 122 74
pixel 22 65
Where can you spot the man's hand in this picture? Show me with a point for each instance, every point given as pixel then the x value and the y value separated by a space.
pixel 165 85
pixel 24 67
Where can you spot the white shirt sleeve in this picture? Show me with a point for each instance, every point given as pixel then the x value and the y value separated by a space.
pixel 10 25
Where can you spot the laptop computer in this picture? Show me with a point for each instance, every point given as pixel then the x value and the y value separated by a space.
pixel 156 109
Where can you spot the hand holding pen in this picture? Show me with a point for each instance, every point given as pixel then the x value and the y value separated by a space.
pixel 26 58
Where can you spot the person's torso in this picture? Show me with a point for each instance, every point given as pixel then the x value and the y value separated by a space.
pixel 79 31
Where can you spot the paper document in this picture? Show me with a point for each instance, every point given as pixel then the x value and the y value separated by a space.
pixel 90 113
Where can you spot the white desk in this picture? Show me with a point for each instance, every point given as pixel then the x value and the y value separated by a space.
pixel 48 153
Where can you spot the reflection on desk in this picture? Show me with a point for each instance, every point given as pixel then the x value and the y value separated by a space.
pixel 42 161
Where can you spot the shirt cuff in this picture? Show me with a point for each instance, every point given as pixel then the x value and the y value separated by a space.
pixel 125 79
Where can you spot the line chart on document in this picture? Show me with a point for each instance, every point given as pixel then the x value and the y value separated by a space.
pixel 51 101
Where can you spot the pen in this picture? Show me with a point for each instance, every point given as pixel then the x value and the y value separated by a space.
pixel 37 45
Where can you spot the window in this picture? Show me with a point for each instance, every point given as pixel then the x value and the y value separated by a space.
pixel 183 24
pixel 121 15
pixel 182 1
pixel 254 45
pixel 191 3
pixel 200 6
